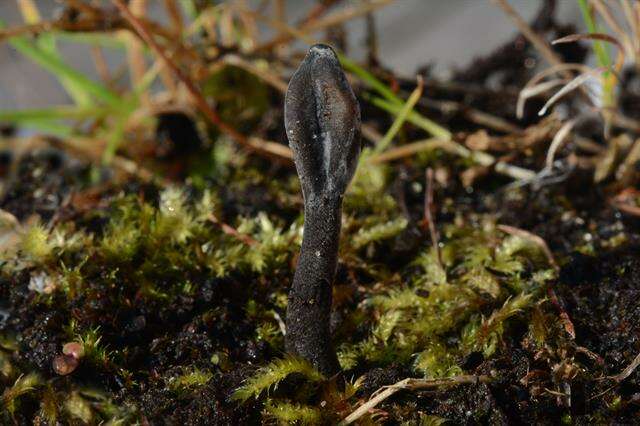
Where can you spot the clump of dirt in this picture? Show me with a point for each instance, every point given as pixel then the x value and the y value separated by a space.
pixel 41 182
pixel 601 295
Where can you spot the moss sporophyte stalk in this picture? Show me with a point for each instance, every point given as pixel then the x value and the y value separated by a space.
pixel 322 120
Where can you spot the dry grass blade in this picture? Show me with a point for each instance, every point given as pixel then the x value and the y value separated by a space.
pixel 529 92
pixel 534 87
pixel 625 201
pixel 572 38
pixel 254 144
pixel 628 370
pixel 404 151
pixel 557 141
pixel 569 87
pixel 634 23
pixel 557 69
pixel 100 64
pixel 627 171
pixel 623 35
pixel 491 121
pixel 267 76
pixel 175 16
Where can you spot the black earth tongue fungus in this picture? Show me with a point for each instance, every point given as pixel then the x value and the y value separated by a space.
pixel 322 120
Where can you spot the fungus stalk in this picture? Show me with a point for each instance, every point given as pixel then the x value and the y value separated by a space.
pixel 322 120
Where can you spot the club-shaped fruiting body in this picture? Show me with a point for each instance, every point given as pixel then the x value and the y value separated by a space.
pixel 322 120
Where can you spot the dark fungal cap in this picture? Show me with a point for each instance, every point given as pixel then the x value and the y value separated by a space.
pixel 322 118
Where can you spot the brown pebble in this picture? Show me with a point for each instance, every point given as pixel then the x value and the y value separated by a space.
pixel 75 349
pixel 64 364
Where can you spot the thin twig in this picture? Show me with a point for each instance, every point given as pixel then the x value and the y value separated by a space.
pixel 101 65
pixel 410 149
pixel 474 115
pixel 624 201
pixel 429 217
pixel 409 384
pixel 628 370
pixel 175 16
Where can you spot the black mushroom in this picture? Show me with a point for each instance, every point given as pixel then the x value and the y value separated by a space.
pixel 322 120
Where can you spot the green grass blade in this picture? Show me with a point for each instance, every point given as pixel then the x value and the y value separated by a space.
pixel 60 69
pixel 106 40
pixel 47 43
pixel 57 67
pixel 601 52
pixel 369 79
pixel 413 117
pixel 60 112
pixel 49 127
pixel 114 138
pixel 392 103
pixel 401 117
pixel 189 8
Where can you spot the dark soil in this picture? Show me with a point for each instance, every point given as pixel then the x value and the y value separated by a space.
pixel 600 292
pixel 162 316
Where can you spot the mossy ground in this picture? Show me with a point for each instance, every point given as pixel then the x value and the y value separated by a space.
pixel 162 301
pixel 175 315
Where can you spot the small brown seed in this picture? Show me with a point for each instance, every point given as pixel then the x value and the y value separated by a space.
pixel 64 364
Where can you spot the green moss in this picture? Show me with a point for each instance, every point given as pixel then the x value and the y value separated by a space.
pixel 271 375
pixel 437 361
pixel 378 232
pixel 49 405
pixel 485 334
pixel 7 370
pixel 286 413
pixel 189 380
pixel 439 313
pixel 425 314
pixel 36 243
pixel 78 408
pixel 23 385
pixel 94 350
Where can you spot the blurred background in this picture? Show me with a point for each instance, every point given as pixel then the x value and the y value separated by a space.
pixel 411 33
